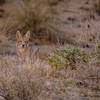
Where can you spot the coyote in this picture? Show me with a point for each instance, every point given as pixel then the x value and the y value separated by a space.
pixel 24 50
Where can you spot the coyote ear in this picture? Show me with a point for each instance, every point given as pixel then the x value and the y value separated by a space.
pixel 27 35
pixel 18 35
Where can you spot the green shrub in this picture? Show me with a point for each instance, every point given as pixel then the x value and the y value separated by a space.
pixel 67 56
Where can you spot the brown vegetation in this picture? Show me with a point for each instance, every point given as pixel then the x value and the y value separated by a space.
pixel 36 16
pixel 71 71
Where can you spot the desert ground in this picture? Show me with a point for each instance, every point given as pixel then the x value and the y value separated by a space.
pixel 67 34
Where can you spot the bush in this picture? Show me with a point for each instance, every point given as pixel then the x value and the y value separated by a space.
pixel 67 56
pixel 35 16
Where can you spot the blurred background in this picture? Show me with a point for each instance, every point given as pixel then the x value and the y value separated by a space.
pixel 67 30
pixel 41 17
pixel 51 21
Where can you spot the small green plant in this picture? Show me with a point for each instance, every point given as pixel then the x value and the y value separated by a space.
pixel 67 56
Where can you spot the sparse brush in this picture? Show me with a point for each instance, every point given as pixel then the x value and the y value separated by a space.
pixel 36 17
pixel 67 56
pixel 19 83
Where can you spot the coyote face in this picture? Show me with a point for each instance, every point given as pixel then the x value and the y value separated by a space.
pixel 22 43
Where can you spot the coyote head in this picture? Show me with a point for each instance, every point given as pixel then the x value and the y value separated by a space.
pixel 22 41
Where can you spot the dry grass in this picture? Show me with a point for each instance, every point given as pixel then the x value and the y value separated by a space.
pixel 36 16
pixel 20 80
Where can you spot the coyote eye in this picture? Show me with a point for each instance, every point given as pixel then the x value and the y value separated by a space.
pixel 19 42
pixel 26 42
